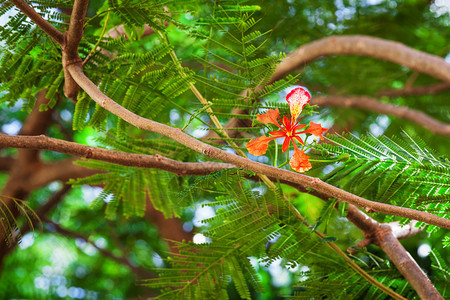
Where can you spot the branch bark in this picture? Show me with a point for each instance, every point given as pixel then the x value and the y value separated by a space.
pixel 368 103
pixel 43 142
pixel 416 90
pixel 137 160
pixel 395 52
pixel 70 49
pixel 26 162
pixel 382 235
pixel 91 89
pixel 353 45
pixel 48 28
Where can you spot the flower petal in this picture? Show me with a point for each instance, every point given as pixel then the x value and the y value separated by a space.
pixel 286 143
pixel 299 139
pixel 299 161
pixel 297 99
pixel 259 146
pixel 270 117
pixel 278 133
pixel 316 129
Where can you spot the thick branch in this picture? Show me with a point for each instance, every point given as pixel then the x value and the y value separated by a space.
pixel 75 31
pixel 123 158
pixel 58 171
pixel 353 45
pixel 404 231
pixel 208 150
pixel 48 28
pixel 369 46
pixel 371 104
pixel 416 90
pixel 36 123
pixel 6 163
pixel 176 134
pixel 70 50
pixel 382 235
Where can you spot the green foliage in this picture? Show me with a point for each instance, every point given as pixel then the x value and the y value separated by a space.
pixel 400 171
pixel 131 186
pixel 247 223
pixel 228 49
pixel 10 225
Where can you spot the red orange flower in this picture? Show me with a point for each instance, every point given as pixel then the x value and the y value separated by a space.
pixel 290 130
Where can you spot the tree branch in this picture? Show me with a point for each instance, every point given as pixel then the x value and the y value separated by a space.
pixel 6 163
pixel 382 235
pixel 176 134
pixel 371 104
pixel 70 50
pixel 160 162
pixel 416 90
pixel 368 46
pixel 122 158
pixel 48 28
pixel 353 45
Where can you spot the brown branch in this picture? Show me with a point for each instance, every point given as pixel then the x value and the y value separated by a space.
pixel 122 158
pixel 36 123
pixel 382 235
pixel 416 90
pixel 404 231
pixel 368 103
pixel 6 163
pixel 137 160
pixel 70 49
pixel 368 46
pixel 58 171
pixel 370 228
pixel 48 28
pixel 176 134
pixel 352 45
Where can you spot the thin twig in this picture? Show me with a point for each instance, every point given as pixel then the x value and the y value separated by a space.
pixel 48 28
pixel 94 49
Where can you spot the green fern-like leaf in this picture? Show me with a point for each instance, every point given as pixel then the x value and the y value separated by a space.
pixel 401 171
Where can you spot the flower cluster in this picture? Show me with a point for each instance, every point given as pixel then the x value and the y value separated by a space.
pixel 290 130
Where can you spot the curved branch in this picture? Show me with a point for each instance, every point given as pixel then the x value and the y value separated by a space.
pixel 383 236
pixel 372 104
pixel 402 260
pixel 353 45
pixel 369 46
pixel 176 134
pixel 416 90
pixel 70 49
pixel 43 142
pixel 48 28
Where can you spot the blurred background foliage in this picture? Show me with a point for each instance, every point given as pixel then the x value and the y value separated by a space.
pixel 49 264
